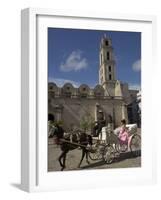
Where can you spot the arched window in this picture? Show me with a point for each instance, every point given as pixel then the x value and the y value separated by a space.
pixel 98 91
pixel 108 55
pixel 109 68
pixel 106 42
pixel 102 80
pixel 101 59
pixel 84 91
pixel 68 90
pixel 52 90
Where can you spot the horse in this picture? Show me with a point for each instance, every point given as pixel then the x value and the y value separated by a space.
pixel 71 141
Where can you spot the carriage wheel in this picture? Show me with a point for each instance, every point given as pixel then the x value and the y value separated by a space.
pixel 96 153
pixel 135 144
pixel 124 147
pixel 117 147
pixel 121 147
pixel 109 154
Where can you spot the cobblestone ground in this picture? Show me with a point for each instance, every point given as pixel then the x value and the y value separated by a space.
pixel 74 156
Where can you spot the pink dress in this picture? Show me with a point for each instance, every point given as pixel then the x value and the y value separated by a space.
pixel 123 136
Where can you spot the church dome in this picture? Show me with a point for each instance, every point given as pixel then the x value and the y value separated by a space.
pixel 68 89
pixel 99 91
pixel 53 90
pixel 84 90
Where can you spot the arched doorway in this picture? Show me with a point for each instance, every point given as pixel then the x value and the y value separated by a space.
pixel 51 117
pixel 109 119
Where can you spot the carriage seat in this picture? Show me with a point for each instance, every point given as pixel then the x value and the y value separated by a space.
pixel 132 128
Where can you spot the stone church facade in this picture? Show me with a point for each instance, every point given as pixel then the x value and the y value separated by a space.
pixel 109 99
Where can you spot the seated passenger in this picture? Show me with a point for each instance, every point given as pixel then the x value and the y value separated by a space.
pixel 123 134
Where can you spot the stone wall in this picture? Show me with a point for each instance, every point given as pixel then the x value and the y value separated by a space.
pixel 69 104
pixel 71 110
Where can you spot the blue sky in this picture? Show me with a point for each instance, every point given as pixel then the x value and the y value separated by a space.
pixel 73 56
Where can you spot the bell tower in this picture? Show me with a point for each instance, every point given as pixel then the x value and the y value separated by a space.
pixel 107 66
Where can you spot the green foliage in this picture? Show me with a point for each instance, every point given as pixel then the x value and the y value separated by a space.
pixel 86 122
pixel 60 122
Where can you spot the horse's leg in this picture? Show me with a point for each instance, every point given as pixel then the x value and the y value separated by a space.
pixel 64 159
pixel 63 156
pixel 87 153
pixel 83 154
pixel 60 157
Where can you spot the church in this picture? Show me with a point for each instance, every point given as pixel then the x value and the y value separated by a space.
pixel 110 99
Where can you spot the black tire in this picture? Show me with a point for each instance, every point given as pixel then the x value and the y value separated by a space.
pixel 135 145
pixel 96 153
pixel 124 147
pixel 121 148
pixel 117 147
pixel 108 154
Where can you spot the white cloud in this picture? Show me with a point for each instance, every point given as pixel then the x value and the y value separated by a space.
pixel 74 62
pixel 134 86
pixel 60 82
pixel 137 66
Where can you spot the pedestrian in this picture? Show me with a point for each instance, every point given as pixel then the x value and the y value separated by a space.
pixel 51 129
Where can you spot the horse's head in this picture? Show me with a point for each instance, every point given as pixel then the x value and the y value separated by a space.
pixel 72 136
pixel 76 134
pixel 84 138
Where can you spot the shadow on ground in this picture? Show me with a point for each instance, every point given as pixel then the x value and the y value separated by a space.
pixel 119 158
pixel 128 155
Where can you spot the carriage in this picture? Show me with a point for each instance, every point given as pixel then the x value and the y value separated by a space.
pixel 107 145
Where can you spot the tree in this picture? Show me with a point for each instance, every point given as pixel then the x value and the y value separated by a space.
pixel 87 122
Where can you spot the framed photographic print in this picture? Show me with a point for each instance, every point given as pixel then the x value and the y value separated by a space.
pixel 86 114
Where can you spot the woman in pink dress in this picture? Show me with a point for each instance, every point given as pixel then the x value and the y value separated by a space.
pixel 123 134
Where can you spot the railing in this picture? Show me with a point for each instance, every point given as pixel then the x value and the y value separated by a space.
pixel 72 96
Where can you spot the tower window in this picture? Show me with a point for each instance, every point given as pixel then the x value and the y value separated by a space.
pixel 101 59
pixel 106 42
pixel 108 56
pixel 110 77
pixel 102 80
pixel 109 68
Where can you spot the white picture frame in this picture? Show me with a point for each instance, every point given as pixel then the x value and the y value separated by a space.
pixel 34 176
